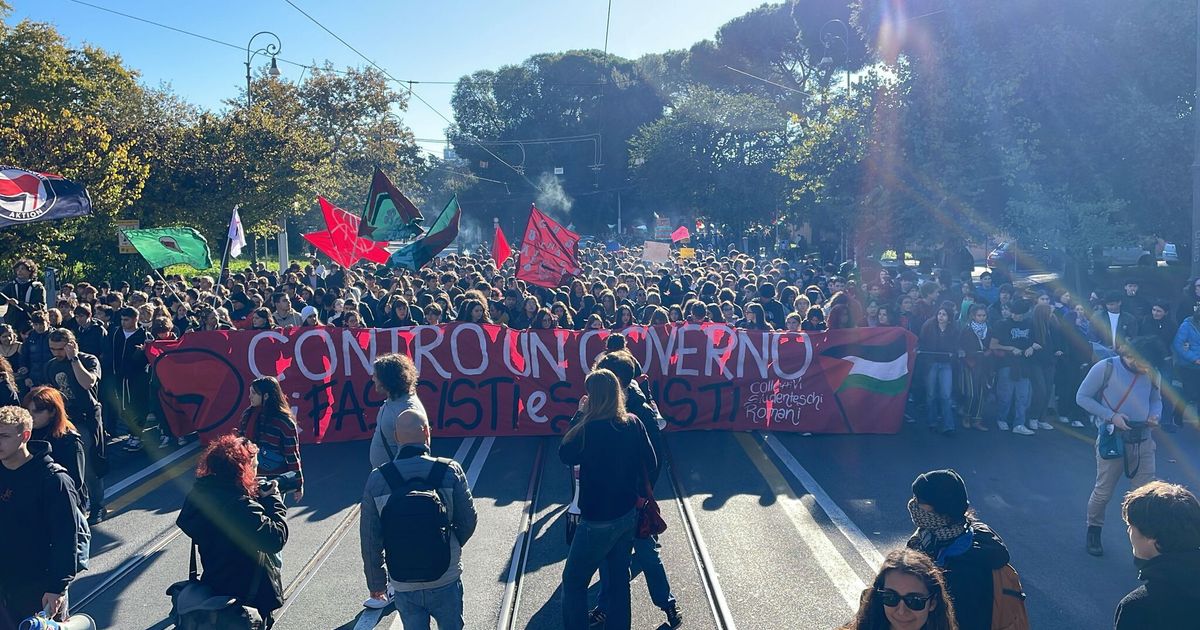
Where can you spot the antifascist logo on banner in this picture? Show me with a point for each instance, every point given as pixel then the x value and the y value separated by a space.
pixel 486 380
pixel 27 196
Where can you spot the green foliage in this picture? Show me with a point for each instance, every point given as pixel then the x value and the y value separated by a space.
pixel 714 154
pixel 576 110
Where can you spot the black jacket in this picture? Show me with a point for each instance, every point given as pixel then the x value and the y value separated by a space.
pixel 123 358
pixel 67 451
pixel 611 457
pixel 1127 327
pixel 234 533
pixel 37 517
pixel 93 339
pixel 1170 598
pixel 969 574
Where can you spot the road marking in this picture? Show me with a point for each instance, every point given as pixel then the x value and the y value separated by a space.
pixel 125 483
pixel 481 456
pixel 863 545
pixel 150 485
pixel 847 581
pixel 464 447
pixel 369 618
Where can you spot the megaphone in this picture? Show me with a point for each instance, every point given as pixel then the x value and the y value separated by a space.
pixel 41 622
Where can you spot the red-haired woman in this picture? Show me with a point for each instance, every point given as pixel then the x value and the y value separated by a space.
pixel 50 424
pixel 236 524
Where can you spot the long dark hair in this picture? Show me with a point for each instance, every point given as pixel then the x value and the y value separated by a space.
pixel 273 402
pixel 870 614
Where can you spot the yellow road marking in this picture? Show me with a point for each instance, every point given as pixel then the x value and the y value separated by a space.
pixel 152 483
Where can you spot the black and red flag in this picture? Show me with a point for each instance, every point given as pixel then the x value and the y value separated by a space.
pixel 388 215
pixel 549 251
pixel 27 196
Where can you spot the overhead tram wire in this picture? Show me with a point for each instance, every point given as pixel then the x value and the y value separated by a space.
pixel 412 93
pixel 309 66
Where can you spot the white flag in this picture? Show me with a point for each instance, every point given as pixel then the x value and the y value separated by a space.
pixel 237 237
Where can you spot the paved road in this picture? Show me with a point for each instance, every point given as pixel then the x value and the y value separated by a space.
pixel 765 531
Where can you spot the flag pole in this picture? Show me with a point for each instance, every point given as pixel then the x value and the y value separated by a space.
pixel 228 244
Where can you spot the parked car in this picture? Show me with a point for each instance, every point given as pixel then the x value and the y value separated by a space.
pixel 1173 254
pixel 1123 256
pixel 1009 258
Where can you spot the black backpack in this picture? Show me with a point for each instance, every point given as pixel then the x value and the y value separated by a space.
pixel 416 525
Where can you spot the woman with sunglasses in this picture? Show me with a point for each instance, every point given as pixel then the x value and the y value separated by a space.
pixel 909 593
pixel 965 549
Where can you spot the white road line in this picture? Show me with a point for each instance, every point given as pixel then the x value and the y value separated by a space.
pixel 369 619
pixel 125 483
pixel 463 448
pixel 477 462
pixel 848 583
pixel 863 545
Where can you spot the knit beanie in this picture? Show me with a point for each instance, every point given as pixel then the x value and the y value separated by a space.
pixel 944 490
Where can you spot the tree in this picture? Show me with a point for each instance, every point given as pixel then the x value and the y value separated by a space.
pixel 58 109
pixel 713 154
pixel 575 111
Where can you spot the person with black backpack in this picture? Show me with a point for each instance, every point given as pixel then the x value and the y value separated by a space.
pixel 417 514
pixel 39 520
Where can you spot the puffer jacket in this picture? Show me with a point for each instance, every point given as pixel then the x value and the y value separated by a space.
pixel 234 534
pixel 1186 347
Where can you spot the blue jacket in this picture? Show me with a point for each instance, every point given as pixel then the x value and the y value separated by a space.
pixel 1186 346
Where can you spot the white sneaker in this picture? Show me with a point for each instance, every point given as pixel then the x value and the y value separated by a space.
pixel 1045 426
pixel 164 442
pixel 1003 426
pixel 1076 424
pixel 1021 429
pixel 1064 420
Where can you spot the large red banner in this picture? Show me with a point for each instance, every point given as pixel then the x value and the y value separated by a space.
pixel 486 380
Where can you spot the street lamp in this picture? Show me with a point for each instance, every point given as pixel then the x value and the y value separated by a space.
pixel 836 31
pixel 269 49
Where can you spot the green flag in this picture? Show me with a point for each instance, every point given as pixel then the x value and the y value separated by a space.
pixel 415 254
pixel 162 247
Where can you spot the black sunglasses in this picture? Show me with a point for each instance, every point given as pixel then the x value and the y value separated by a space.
pixel 891 599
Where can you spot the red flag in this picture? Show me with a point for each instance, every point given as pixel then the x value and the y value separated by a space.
pixel 500 249
pixel 681 234
pixel 548 251
pixel 340 240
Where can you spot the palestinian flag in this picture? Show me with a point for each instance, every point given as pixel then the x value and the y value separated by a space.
pixel 881 368
pixel 388 215
pixel 162 247
pixel 416 254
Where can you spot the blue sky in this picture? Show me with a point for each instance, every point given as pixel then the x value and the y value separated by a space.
pixel 417 40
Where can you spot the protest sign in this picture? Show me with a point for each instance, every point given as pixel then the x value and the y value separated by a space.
pixel 487 380
pixel 653 251
pixel 687 252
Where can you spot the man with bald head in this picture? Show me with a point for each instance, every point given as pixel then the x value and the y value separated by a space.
pixel 417 513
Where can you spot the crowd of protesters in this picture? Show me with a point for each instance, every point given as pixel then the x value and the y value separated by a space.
pixel 989 355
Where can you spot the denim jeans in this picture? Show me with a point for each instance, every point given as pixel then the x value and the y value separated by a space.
pixel 939 387
pixel 1006 389
pixel 647 560
pixel 597 543
pixel 444 604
